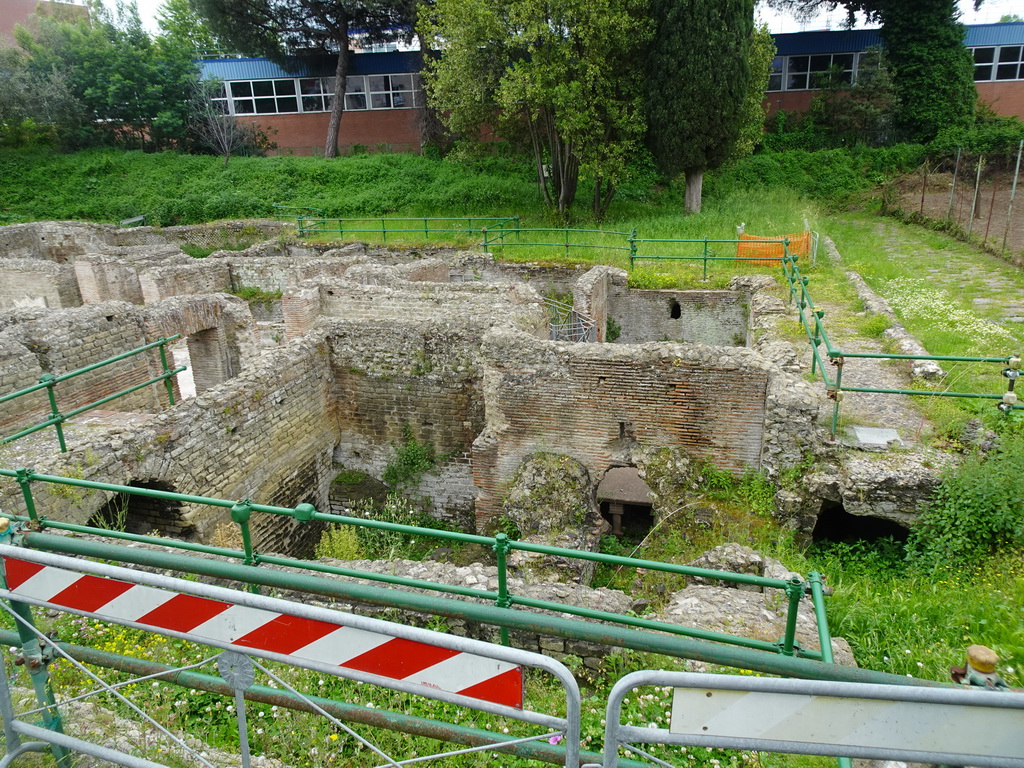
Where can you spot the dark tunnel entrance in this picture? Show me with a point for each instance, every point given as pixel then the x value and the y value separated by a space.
pixel 835 524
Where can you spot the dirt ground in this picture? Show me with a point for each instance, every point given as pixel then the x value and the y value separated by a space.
pixel 937 198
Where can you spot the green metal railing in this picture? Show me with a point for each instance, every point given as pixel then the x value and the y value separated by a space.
pixel 49 382
pixel 562 238
pixel 638 248
pixel 241 513
pixel 812 320
pixel 398 228
pixel 706 254
pixel 294 212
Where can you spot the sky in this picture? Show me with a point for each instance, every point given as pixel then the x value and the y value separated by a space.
pixel 990 12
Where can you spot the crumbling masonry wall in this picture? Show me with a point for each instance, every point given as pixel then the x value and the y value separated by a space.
pixel 597 403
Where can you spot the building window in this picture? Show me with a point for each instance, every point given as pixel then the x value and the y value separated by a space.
pixel 999 63
pixel 383 92
pixel 802 73
pixel 316 94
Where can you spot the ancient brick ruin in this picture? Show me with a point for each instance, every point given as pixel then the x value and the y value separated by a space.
pixel 344 353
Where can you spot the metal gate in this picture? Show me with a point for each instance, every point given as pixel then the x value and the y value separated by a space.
pixel 952 726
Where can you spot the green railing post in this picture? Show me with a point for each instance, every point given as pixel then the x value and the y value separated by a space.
pixel 705 259
pixel 566 242
pixel 818 314
pixel 795 592
pixel 240 513
pixel 485 233
pixel 36 659
pixel 25 481
pixel 167 370
pixel 501 547
pixel 383 230
pixel 518 239
pixel 837 393
pixel 50 381
pixel 632 248
pixel 426 232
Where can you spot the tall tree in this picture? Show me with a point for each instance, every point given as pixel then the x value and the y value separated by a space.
pixel 130 91
pixel 564 73
pixel 181 26
pixel 698 82
pixel 279 29
pixel 933 72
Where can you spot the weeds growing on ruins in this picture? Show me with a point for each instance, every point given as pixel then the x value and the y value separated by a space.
pixel 904 614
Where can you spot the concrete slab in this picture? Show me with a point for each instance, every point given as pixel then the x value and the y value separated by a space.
pixel 876 437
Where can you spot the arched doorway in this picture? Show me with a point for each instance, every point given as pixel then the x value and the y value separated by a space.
pixel 625 502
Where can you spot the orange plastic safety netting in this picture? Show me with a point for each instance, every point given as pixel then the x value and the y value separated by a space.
pixel 768 254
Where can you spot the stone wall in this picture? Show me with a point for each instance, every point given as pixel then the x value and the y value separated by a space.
pixel 76 338
pixel 37 283
pixel 718 318
pixel 598 402
pixel 394 380
pixel 265 435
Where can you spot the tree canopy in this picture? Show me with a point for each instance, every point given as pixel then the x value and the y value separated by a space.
pixel 933 74
pixel 562 76
pixel 105 80
pixel 278 29
pixel 698 83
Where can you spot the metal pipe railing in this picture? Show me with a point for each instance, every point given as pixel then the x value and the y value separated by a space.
pixel 49 381
pixel 557 626
pixel 241 512
pixel 814 329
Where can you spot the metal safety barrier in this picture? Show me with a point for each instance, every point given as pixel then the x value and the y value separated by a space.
pixel 795 589
pixel 467 673
pixel 812 320
pixel 49 382
pixel 951 725
pixel 397 228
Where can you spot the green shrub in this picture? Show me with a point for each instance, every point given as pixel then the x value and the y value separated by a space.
pixel 975 511
pixel 412 459
pixel 340 542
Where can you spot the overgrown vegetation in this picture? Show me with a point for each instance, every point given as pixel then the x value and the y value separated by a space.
pixel 343 542
pixel 412 458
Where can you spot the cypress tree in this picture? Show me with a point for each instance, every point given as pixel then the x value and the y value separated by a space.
pixel 698 76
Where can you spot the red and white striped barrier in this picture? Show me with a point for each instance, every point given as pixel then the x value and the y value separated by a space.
pixel 222 623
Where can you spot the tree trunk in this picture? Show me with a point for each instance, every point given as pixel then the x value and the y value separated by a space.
pixel 694 185
pixel 340 77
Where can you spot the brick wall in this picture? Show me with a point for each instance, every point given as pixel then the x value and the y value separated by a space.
pixel 79 337
pixel 37 283
pixel 596 402
pixel 424 378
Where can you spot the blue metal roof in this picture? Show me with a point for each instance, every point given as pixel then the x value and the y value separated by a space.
pixel 995 34
pixel 848 40
pixel 264 69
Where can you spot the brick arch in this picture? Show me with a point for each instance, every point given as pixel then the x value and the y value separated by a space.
pixel 219 329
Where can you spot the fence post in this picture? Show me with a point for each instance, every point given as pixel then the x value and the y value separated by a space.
pixel 501 547
pixel 1013 193
pixel 974 201
pixel 240 513
pixel 167 371
pixel 49 380
pixel 705 259
pixel 952 189
pixel 838 392
pixel 795 591
pixel 25 481
pixel 36 660
pixel 632 249
pixel 566 242
pixel 383 231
